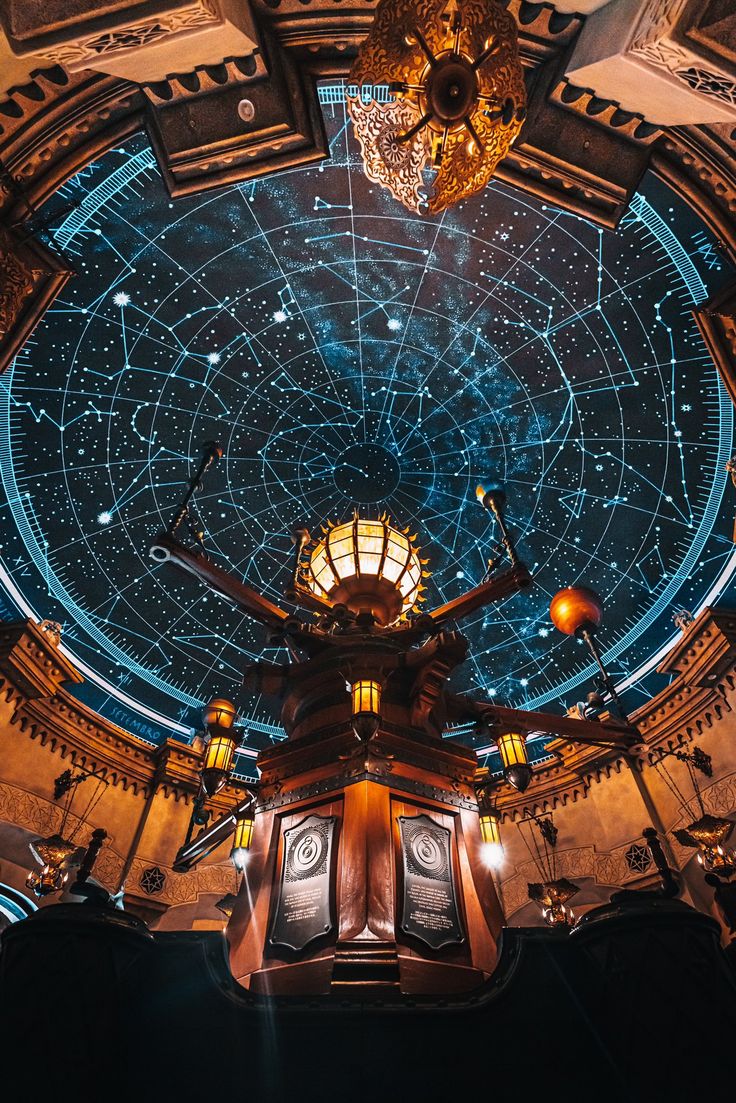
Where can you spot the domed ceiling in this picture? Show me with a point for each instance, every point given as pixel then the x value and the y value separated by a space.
pixel 345 353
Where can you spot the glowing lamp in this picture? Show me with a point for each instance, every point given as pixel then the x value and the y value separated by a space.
pixel 576 611
pixel 516 768
pixel 219 716
pixel 242 838
pixel 366 699
pixel 460 100
pixel 367 566
pixel 552 897
pixel 47 880
pixel 709 834
pixel 54 854
pixel 490 833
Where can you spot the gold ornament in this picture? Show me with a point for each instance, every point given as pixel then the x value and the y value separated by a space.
pixel 461 98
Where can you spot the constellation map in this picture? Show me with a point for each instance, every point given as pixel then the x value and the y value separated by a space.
pixel 346 352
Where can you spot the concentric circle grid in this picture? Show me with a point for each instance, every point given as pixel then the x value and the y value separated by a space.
pixel 351 341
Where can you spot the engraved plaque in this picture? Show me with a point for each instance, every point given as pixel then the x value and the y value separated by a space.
pixel 304 907
pixel 429 908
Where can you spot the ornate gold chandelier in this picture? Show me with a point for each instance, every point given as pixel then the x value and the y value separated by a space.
pixel 460 102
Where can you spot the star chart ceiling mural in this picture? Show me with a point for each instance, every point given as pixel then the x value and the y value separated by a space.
pixel 344 352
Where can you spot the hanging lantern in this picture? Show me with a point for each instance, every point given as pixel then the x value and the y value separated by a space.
pixel 242 838
pixel 490 833
pixel 47 880
pixel 366 698
pixel 455 71
pixel 552 897
pixel 708 834
pixel 369 567
pixel 516 768
pixel 219 717
pixel 53 853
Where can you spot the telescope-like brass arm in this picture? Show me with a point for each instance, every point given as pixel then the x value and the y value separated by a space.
pixel 518 578
pixel 166 549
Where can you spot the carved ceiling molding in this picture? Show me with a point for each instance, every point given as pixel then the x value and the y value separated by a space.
pixel 60 121
pixel 607 868
pixel 32 673
pixel 699 163
pixel 35 814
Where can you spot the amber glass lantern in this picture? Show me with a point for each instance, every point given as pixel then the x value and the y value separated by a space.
pixel 490 833
pixel 369 567
pixel 242 838
pixel 366 698
pixel 516 768
pixel 219 717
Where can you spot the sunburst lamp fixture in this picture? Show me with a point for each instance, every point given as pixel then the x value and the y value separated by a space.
pixel 369 567
pixel 460 98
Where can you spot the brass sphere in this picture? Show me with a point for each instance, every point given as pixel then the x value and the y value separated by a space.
pixel 219 711
pixel 576 609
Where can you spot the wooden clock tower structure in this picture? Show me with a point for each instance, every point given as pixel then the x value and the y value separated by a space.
pixel 366 870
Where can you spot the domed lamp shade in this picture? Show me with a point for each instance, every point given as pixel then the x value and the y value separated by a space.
pixel 576 610
pixel 366 700
pixel 369 566
pixel 219 717
pixel 516 768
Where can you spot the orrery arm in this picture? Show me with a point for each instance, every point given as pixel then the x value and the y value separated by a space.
pixel 609 735
pixel 192 853
pixel 518 578
pixel 167 549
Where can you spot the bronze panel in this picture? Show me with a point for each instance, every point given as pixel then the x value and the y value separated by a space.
pixel 429 908
pixel 304 909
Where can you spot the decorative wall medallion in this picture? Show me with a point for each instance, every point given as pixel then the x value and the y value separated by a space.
pixel 153 880
pixel 429 909
pixel 304 907
pixel 638 858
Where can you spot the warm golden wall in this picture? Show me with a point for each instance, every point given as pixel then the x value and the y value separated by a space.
pixel 598 806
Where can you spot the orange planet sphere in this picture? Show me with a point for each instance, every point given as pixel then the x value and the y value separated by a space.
pixel 576 609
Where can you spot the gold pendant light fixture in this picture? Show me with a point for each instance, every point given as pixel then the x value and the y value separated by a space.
pixel 460 98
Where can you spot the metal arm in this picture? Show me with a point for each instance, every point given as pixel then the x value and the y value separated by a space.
pixel 210 453
pixel 518 578
pixel 193 852
pixel 501 719
pixel 167 549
